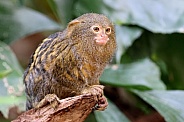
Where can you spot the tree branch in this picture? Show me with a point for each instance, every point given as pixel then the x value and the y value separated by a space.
pixel 72 109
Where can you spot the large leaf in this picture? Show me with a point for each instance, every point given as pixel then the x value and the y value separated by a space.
pixel 12 89
pixel 168 103
pixel 125 36
pixel 143 74
pixel 86 6
pixel 166 50
pixel 17 22
pixel 111 114
pixel 170 48
pixel 91 118
pixel 157 16
pixel 63 9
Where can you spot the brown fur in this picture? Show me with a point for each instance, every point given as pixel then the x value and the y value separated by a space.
pixel 67 62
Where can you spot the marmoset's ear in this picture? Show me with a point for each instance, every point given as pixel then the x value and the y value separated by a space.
pixel 73 23
pixel 71 26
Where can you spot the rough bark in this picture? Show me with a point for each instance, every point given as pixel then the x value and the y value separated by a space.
pixel 72 109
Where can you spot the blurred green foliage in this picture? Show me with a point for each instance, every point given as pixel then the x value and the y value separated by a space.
pixel 149 60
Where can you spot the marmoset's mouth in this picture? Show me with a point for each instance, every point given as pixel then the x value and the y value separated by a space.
pixel 101 40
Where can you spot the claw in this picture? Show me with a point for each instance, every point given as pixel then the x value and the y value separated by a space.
pixel 49 98
pixel 97 90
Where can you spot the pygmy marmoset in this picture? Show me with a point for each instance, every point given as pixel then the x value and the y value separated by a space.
pixel 69 62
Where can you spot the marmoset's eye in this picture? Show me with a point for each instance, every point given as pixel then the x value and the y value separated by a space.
pixel 96 29
pixel 108 30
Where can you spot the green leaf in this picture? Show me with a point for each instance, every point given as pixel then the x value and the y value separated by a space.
pixel 170 48
pixel 5 72
pixel 91 118
pixel 111 114
pixel 63 9
pixel 168 103
pixel 143 74
pixel 157 16
pixel 125 36
pixel 10 101
pixel 86 6
pixel 17 22
pixel 8 58
pixel 11 84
